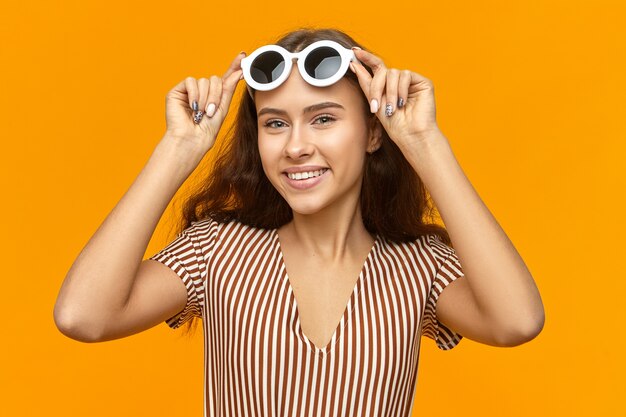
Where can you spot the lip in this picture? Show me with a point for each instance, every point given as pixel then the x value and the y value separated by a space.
pixel 305 184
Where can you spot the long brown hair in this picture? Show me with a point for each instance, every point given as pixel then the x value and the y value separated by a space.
pixel 394 201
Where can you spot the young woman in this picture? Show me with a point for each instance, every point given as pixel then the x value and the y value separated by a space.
pixel 310 252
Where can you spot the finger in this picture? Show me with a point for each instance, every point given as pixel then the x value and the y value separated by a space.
pixel 419 83
pixel 381 112
pixel 377 83
pixel 369 59
pixel 403 87
pixel 228 88
pixel 235 65
pixel 203 92
pixel 363 76
pixel 192 91
pixel 417 78
pixel 230 84
pixel 215 95
pixel 391 91
pixel 179 89
pixel 376 89
pixel 365 81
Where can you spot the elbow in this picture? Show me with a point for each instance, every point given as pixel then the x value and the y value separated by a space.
pixel 518 335
pixel 69 325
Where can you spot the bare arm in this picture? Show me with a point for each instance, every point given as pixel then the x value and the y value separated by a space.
pixel 99 283
pixel 109 292
pixel 497 301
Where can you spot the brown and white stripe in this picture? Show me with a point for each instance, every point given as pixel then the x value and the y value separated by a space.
pixel 258 362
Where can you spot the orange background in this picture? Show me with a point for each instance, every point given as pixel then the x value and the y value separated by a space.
pixel 530 94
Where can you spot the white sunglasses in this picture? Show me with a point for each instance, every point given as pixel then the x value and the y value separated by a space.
pixel 322 63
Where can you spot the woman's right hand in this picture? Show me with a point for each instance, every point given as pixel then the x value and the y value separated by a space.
pixel 179 113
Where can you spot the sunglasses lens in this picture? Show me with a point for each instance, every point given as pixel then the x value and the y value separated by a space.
pixel 323 62
pixel 267 67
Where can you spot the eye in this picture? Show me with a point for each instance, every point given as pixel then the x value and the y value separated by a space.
pixel 270 123
pixel 325 119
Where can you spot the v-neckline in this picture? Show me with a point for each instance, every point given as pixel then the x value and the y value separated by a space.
pixel 347 311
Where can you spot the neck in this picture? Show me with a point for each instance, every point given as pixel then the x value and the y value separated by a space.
pixel 331 234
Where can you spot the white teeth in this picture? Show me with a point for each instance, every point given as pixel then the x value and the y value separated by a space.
pixel 305 175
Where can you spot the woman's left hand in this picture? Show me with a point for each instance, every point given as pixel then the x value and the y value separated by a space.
pixel 412 122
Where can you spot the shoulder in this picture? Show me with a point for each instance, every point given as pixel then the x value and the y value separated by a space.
pixel 427 252
pixel 203 229
pixel 210 223
pixel 440 250
pixel 230 230
pixel 421 246
pixel 422 251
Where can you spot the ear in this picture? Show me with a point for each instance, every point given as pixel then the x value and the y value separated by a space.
pixel 375 134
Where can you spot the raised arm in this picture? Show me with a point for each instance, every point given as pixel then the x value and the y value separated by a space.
pixel 109 292
pixel 496 302
pixel 97 287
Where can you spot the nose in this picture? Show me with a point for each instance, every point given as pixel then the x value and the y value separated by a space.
pixel 298 145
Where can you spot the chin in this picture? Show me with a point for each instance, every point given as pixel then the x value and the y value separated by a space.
pixel 307 204
pixel 305 208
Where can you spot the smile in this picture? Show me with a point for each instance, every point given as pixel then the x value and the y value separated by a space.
pixel 306 175
pixel 306 179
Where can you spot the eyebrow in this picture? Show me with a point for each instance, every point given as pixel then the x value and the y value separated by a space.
pixel 306 110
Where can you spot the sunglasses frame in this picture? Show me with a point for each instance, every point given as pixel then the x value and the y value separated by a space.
pixel 347 56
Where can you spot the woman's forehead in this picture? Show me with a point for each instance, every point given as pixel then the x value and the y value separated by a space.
pixel 296 96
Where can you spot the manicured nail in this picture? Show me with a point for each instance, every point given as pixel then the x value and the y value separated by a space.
pixel 388 110
pixel 374 105
pixel 400 102
pixel 197 116
pixel 352 68
pixel 210 109
pixel 356 47
pixel 242 52
pixel 194 105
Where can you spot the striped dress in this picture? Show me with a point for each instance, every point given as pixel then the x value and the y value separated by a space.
pixel 257 360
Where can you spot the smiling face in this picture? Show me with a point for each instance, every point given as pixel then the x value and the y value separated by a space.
pixel 313 143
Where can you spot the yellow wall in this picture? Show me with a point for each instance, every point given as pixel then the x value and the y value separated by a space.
pixel 530 94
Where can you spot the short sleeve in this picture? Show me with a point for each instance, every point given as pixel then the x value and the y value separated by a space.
pixel 188 255
pixel 448 268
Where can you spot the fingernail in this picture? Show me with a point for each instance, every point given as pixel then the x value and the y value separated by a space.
pixel 210 110
pixel 374 105
pixel 194 105
pixel 388 110
pixel 400 102
pixel 242 52
pixel 197 116
pixel 356 47
pixel 352 68
pixel 241 76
